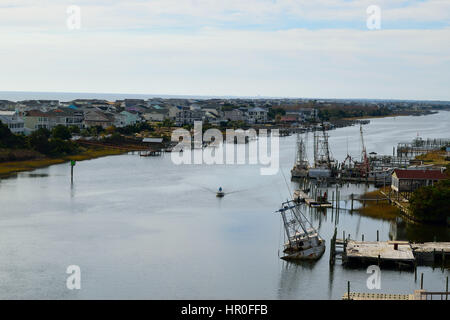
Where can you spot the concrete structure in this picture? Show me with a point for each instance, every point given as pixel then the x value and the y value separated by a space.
pixel 13 121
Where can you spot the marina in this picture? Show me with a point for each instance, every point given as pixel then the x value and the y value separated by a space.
pixel 223 244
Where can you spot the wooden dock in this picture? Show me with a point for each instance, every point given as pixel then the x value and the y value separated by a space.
pixel 417 295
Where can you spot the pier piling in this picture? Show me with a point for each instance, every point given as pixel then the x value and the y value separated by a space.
pixel 421 281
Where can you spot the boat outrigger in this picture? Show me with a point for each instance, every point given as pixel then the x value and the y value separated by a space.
pixel 220 193
pixel 303 243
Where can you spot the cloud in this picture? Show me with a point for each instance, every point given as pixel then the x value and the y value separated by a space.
pixel 296 62
pixel 50 15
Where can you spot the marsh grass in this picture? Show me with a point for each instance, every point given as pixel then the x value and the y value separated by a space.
pixel 380 209
pixel 10 168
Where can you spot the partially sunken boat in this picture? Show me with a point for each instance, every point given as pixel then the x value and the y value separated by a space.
pixel 303 241
pixel 301 166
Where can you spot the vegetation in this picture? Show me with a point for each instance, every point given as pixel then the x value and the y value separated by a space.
pixel 432 203
pixel 334 113
pixel 435 158
pixel 377 209
pixel 273 112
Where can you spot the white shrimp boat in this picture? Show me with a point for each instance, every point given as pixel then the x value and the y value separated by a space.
pixel 302 243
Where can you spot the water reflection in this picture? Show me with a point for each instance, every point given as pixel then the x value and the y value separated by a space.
pixel 293 277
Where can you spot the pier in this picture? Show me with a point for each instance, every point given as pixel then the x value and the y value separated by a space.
pixel 400 254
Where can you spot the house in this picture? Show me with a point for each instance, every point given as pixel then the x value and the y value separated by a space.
pixel 35 120
pixel 257 115
pixel 127 103
pixel 156 115
pixel 94 118
pixel 289 118
pixel 67 117
pixel 188 116
pixel 13 121
pixel 234 115
pixel 130 117
pixel 308 113
pixel 410 180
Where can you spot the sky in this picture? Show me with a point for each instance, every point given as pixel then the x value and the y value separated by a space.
pixel 277 48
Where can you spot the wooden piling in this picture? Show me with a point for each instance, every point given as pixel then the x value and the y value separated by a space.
pixel 378 235
pixel 421 281
pixel 446 289
pixel 348 290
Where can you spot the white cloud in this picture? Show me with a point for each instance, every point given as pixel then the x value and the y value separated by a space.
pixel 117 14
pixel 298 62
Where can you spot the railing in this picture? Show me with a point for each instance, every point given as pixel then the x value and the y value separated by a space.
pixel 430 295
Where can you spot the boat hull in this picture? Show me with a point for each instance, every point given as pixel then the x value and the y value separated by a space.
pixel 319 173
pixel 312 253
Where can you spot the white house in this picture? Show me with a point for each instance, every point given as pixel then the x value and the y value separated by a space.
pixel 257 115
pixel 13 121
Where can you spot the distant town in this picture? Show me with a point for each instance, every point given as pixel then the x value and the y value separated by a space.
pixel 25 117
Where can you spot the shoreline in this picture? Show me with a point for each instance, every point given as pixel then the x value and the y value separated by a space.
pixel 12 168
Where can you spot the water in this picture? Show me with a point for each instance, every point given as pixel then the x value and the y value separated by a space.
pixel 143 228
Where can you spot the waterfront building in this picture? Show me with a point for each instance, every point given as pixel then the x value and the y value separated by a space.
pixel 410 180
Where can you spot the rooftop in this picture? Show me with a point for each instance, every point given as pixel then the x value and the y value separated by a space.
pixel 420 174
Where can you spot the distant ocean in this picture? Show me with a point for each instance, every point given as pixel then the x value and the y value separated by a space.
pixel 69 96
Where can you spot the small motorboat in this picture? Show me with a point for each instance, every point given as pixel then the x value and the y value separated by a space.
pixel 220 193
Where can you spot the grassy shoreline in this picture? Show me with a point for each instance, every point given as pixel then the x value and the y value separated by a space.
pixel 380 209
pixel 8 169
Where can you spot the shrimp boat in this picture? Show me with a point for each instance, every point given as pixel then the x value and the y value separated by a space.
pixel 301 166
pixel 303 242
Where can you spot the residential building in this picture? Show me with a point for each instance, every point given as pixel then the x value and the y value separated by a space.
pixel 36 119
pixel 234 115
pixel 188 116
pixel 131 117
pixel 13 121
pixel 67 117
pixel 257 115
pixel 94 118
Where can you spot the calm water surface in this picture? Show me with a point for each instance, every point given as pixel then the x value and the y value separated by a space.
pixel 144 228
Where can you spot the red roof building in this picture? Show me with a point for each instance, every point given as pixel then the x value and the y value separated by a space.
pixel 410 180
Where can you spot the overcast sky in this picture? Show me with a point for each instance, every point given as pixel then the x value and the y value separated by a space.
pixel 289 48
